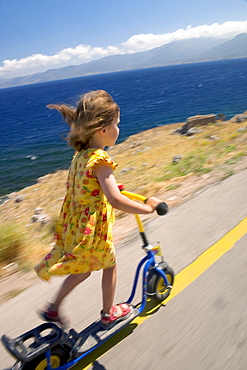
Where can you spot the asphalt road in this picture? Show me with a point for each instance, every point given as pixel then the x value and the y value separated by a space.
pixel 203 327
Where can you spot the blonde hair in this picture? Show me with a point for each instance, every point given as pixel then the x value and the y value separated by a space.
pixel 95 110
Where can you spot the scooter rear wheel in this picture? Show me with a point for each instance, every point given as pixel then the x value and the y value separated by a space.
pixel 156 286
pixel 59 357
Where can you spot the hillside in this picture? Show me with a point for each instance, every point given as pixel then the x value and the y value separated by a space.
pixel 236 48
pixel 146 165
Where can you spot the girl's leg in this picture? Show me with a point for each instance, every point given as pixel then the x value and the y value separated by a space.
pixel 109 279
pixel 68 285
pixel 51 313
pixel 111 314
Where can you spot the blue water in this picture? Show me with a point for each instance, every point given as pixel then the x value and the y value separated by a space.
pixel 31 143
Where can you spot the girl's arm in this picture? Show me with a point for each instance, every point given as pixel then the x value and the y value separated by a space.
pixel 109 186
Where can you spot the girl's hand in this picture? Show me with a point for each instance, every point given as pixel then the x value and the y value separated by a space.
pixel 153 202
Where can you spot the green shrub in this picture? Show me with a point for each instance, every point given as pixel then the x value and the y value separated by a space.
pixel 192 163
pixel 228 174
pixel 11 242
pixel 173 186
pixel 235 158
pixel 230 148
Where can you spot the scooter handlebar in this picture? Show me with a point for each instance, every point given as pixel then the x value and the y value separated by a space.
pixel 162 209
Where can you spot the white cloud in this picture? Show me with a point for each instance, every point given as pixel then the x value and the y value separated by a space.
pixel 79 54
pixel 144 42
pixel 84 53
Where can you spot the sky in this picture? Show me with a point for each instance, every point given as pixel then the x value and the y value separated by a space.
pixel 37 35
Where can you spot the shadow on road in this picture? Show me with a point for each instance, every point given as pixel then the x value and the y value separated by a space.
pixel 151 308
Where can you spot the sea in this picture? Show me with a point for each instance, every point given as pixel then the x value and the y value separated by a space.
pixel 32 136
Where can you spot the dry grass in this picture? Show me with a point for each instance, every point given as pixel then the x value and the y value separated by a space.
pixel 148 156
pixel 145 166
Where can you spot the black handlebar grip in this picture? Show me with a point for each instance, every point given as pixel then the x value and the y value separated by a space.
pixel 162 209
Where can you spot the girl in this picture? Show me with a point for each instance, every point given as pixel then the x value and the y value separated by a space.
pixel 83 237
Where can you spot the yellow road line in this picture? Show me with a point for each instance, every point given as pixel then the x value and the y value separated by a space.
pixel 190 273
pixel 196 268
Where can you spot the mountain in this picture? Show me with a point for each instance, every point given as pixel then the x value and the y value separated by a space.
pixel 235 48
pixel 177 52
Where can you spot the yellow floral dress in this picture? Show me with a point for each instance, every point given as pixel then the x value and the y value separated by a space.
pixel 83 237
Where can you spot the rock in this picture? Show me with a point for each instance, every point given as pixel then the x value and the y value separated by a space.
pixel 38 210
pixel 184 129
pixel 177 158
pixel 201 120
pixel 142 150
pixel 240 118
pixel 45 219
pixel 213 138
pixel 40 216
pixel 191 131
pixel 126 169
pixel 181 130
pixel 19 198
pixel 35 218
pixel 242 129
pixel 134 145
pixel 189 128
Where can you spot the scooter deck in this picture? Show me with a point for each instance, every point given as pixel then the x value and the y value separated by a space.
pixel 94 335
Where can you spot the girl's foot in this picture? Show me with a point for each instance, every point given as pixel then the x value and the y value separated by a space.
pixel 51 315
pixel 118 313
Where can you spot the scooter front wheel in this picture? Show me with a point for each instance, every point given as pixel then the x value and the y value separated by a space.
pixel 156 286
pixel 59 357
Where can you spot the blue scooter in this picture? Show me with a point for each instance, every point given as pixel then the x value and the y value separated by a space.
pixel 48 346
